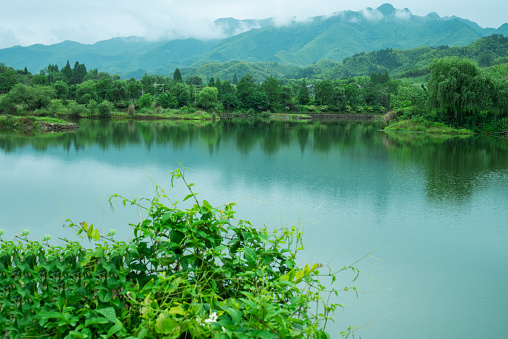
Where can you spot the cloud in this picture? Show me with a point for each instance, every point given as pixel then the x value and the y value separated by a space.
pixel 372 14
pixel 403 14
pixel 7 38
pixel 27 22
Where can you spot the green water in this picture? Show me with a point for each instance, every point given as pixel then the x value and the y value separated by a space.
pixel 433 209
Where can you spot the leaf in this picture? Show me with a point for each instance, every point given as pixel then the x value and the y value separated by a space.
pixel 235 314
pixel 105 296
pixel 115 328
pixel 263 334
pixel 142 333
pixel 188 196
pixel 50 315
pixel 165 325
pixel 250 256
pixel 220 248
pixel 109 313
pixel 177 310
pixel 96 320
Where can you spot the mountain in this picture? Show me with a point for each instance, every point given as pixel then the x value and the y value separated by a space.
pixel 334 37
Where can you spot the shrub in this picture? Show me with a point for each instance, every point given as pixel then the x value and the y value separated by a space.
pixel 196 272
pixel 105 109
pixel 76 110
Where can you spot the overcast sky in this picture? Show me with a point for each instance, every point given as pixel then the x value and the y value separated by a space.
pixel 27 22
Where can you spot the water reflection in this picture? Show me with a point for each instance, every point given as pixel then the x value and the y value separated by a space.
pixel 454 167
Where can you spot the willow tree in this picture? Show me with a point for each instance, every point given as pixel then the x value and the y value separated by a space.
pixel 458 88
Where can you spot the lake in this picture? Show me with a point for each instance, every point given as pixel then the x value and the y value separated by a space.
pixel 433 210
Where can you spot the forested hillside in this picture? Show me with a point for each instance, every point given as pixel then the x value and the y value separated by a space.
pixel 335 38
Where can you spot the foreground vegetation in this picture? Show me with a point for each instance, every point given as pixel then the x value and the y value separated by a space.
pixel 187 273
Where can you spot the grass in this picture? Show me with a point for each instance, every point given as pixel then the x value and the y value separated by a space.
pixel 426 127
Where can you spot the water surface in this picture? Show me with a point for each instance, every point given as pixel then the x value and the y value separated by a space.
pixel 433 209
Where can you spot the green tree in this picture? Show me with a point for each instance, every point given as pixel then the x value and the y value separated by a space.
pixel 177 76
pixel 271 87
pixel 194 80
pixel 166 100
pixel 207 97
pixel 85 92
pixel 119 91
pixel 246 87
pixel 258 101
pixel 105 109
pixel 7 78
pixel 78 73
pixel 181 92
pixel 33 97
pixel 67 72
pixel 303 93
pixel 146 100
pixel 61 89
pixel 457 89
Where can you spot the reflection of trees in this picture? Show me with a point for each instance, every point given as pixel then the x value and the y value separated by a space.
pixel 271 137
pixel 454 167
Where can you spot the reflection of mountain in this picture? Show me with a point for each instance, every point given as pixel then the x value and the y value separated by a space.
pixel 454 167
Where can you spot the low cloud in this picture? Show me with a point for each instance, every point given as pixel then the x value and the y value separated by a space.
pixel 403 14
pixel 372 14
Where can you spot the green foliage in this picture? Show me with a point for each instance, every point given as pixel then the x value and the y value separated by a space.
pixel 146 100
pixel 457 89
pixel 166 100
pixel 105 109
pixel 195 272
pixel 76 110
pixel 207 97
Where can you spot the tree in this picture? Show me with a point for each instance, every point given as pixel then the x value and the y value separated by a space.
pixel 105 109
pixel 235 79
pixel 207 97
pixel 61 89
pixel 246 87
pixel 119 91
pixel 85 92
pixel 177 76
pixel 166 100
pixel 7 78
pixel 67 72
pixel 78 73
pixel 457 89
pixel 181 92
pixel 34 97
pixel 258 101
pixel 271 87
pixel 194 80
pixel 303 93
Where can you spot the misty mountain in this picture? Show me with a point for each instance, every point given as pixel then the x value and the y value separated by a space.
pixel 334 37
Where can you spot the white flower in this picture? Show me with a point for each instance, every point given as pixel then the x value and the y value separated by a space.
pixel 212 319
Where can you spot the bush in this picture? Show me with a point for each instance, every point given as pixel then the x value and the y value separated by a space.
pixel 105 109
pixel 195 272
pixel 76 110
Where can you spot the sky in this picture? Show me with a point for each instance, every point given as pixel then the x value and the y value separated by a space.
pixel 28 22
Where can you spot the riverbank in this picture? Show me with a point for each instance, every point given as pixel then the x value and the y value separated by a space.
pixel 31 124
pixel 424 126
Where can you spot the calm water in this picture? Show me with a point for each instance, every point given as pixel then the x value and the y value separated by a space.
pixel 435 210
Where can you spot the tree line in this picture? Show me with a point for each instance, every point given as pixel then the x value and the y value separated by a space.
pixel 458 93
